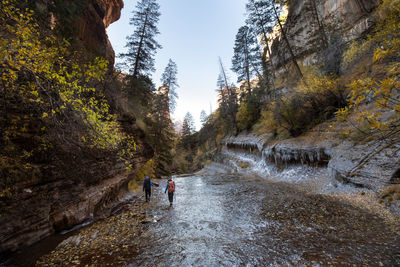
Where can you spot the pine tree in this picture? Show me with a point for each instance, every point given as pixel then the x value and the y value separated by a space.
pixel 246 59
pixel 188 125
pixel 141 44
pixel 261 19
pixel 227 99
pixel 188 129
pixel 223 79
pixel 262 16
pixel 170 81
pixel 161 132
pixel 203 117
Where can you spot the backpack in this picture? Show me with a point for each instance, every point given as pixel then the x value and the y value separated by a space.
pixel 147 183
pixel 171 186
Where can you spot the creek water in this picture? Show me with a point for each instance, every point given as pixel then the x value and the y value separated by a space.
pixel 234 220
pixel 224 219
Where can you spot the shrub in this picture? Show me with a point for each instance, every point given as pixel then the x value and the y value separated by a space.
pixel 383 119
pixel 267 123
pixel 314 102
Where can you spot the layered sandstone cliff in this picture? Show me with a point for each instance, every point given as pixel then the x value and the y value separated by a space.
pixel 93 24
pixel 370 165
pixel 317 28
pixel 69 182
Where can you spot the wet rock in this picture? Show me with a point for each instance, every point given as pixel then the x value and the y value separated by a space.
pixel 147 220
pixel 73 241
pixel 29 220
pixel 371 164
pixel 94 235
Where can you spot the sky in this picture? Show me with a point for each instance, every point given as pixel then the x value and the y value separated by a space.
pixel 194 33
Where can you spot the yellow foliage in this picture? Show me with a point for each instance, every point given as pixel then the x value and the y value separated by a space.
pixel 382 94
pixel 355 51
pixel 385 41
pixel 148 169
pixel 317 83
pixel 36 69
pixel 243 116
pixel 219 138
pixel 388 35
pixel 267 123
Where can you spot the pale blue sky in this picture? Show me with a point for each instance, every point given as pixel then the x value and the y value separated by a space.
pixel 194 33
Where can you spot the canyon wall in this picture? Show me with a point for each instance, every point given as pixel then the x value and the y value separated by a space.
pixel 93 24
pixel 69 182
pixel 317 29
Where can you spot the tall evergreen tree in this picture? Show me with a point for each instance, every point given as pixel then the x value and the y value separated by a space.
pixel 263 15
pixel 261 19
pixel 170 81
pixel 188 129
pixel 141 44
pixel 188 125
pixel 223 79
pixel 227 99
pixel 203 117
pixel 161 132
pixel 246 61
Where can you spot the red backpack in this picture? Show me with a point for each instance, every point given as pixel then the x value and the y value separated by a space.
pixel 171 186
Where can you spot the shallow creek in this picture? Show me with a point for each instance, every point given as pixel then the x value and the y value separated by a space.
pixel 234 220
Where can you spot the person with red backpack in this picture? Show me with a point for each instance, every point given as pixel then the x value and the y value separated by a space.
pixel 171 189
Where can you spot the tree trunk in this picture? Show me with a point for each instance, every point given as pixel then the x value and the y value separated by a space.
pixel 247 62
pixel 135 70
pixel 223 73
pixel 267 44
pixel 288 45
pixel 266 41
pixel 321 29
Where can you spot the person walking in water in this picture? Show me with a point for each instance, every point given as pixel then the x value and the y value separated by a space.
pixel 171 189
pixel 147 184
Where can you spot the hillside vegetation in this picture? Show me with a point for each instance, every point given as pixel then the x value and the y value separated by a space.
pixel 356 90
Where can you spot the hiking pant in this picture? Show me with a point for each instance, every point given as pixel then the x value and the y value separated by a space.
pixel 148 194
pixel 171 197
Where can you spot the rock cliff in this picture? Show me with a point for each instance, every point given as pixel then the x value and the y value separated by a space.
pixel 68 182
pixel 94 22
pixel 317 28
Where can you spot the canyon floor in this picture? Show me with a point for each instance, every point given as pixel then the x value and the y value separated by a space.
pixel 224 219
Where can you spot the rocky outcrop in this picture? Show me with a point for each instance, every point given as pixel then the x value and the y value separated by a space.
pixel 110 10
pixel 317 29
pixel 42 210
pixel 87 21
pixel 71 186
pixel 372 165
pixel 93 24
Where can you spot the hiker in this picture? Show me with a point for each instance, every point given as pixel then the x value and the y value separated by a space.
pixel 147 184
pixel 171 189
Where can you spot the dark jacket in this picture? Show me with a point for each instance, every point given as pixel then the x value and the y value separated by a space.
pixel 147 184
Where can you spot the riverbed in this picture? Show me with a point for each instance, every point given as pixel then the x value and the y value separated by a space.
pixel 224 219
